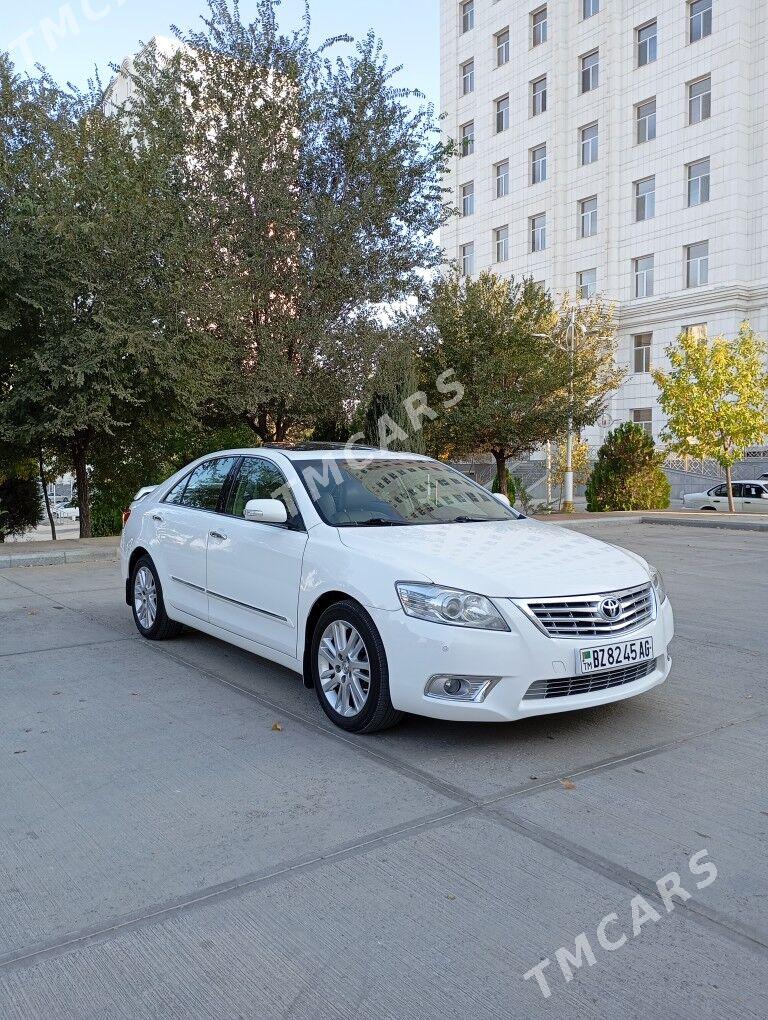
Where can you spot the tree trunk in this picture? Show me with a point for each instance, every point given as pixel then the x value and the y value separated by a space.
pixel 729 483
pixel 79 459
pixel 501 470
pixel 45 494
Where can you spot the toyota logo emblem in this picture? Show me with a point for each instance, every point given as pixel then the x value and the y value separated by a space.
pixel 610 608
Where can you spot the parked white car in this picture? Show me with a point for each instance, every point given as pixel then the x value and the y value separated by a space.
pixel 748 496
pixel 67 512
pixel 393 584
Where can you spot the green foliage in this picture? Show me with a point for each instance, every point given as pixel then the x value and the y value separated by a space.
pixel 21 507
pixel 508 345
pixel 716 395
pixel 511 482
pixel 317 188
pixel 628 473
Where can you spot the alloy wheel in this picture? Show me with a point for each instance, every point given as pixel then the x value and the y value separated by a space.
pixel 145 597
pixel 344 667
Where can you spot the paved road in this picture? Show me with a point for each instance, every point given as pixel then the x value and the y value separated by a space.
pixel 165 852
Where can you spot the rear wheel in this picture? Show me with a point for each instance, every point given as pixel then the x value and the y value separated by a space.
pixel 149 613
pixel 349 670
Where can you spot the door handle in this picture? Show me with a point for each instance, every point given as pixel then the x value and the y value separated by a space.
pixel 157 517
pixel 218 534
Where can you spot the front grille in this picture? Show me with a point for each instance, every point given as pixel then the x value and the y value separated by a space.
pixel 580 616
pixel 566 687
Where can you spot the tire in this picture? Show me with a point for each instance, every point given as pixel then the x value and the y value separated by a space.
pixel 347 622
pixel 149 615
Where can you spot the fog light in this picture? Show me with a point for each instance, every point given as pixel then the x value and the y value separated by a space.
pixel 460 688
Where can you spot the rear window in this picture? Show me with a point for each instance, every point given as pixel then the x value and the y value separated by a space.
pixel 201 490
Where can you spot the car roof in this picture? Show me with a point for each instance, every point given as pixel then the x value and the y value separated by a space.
pixel 320 451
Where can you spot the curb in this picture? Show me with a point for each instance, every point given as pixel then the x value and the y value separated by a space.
pixel 55 559
pixel 711 522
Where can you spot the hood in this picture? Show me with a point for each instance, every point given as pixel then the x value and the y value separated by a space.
pixel 502 559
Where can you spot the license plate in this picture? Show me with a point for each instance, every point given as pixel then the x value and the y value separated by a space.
pixel 625 653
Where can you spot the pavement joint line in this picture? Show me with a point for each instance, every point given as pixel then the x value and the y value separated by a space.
pixel 608 764
pixel 714 920
pixel 36 953
pixel 65 648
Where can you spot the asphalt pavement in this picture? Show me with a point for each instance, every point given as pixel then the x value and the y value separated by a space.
pixel 184 834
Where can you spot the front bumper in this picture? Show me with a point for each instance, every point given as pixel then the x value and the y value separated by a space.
pixel 417 650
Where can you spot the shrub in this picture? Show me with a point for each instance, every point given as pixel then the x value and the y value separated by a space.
pixel 628 473
pixel 21 507
pixel 510 487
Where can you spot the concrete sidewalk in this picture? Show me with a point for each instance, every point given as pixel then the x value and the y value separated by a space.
pixel 51 554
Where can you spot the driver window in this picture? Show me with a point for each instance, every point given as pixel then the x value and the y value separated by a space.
pixel 260 479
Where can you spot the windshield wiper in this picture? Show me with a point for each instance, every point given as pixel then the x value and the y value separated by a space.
pixel 469 520
pixel 376 522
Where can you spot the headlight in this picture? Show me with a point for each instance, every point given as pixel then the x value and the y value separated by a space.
pixel 658 584
pixel 449 605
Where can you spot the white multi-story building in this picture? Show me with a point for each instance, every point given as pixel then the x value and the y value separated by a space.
pixel 617 147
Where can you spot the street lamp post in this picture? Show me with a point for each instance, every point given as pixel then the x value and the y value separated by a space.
pixel 568 507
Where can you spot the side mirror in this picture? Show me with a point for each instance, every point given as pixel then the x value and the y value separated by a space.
pixel 501 498
pixel 265 511
pixel 764 495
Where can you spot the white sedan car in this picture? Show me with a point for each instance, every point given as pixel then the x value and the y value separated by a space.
pixel 748 497
pixel 67 512
pixel 393 584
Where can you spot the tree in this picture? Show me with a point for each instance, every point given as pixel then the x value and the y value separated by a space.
pixel 92 279
pixel 504 341
pixel 317 188
pixel 20 503
pixel 715 397
pixel 628 474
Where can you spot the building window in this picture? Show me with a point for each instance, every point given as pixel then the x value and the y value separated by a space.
pixel 589 147
pixel 468 77
pixel 646 120
pixel 502 179
pixel 538 232
pixel 643 270
pixel 643 416
pixel 468 258
pixel 502 114
pixel 699 19
pixel 698 182
pixel 539 26
pixel 641 344
pixel 588 216
pixel 587 284
pixel 697 264
pixel 538 164
pixel 590 71
pixel 501 240
pixel 539 96
pixel 645 199
pixel 468 199
pixel 589 7
pixel 646 44
pixel 700 100
pixel 502 48
pixel 698 330
pixel 468 15
pixel 468 138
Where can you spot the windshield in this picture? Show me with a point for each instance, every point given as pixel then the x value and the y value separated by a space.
pixel 380 492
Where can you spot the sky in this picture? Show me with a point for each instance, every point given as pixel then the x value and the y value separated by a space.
pixel 69 37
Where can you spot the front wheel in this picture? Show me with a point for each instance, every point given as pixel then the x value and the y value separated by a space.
pixel 149 613
pixel 349 670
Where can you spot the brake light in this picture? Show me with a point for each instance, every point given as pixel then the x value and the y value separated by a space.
pixel 126 515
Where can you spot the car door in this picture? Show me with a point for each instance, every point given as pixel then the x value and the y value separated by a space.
pixel 719 497
pixel 254 570
pixel 183 522
pixel 752 498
